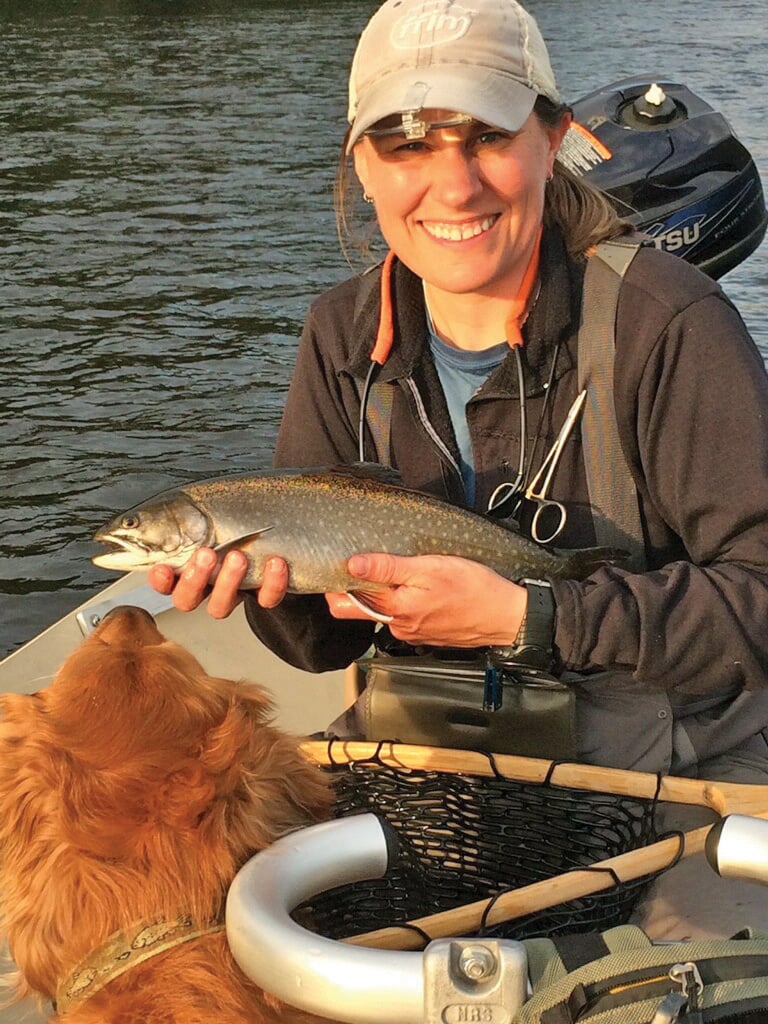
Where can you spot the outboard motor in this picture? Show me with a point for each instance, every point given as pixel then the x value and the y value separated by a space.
pixel 673 168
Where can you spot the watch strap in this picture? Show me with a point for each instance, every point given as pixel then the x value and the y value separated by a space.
pixel 534 641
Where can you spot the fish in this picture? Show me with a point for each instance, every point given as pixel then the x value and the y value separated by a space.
pixel 316 519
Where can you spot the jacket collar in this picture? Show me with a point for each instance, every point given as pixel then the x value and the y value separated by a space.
pixel 553 317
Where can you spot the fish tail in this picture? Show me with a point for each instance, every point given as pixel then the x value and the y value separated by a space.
pixel 584 561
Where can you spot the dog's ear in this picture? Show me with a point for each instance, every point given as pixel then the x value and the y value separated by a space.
pixel 25 765
pixel 186 795
pixel 265 786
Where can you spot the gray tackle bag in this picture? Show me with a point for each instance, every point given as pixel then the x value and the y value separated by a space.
pixel 621 977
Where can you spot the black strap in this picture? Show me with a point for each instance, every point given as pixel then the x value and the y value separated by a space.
pixel 577 950
pixel 612 491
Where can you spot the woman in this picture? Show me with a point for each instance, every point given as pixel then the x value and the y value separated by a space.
pixel 455 128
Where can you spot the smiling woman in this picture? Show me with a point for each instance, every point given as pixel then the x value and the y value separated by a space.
pixel 462 207
pixel 518 342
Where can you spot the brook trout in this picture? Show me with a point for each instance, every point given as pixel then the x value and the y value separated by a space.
pixel 316 520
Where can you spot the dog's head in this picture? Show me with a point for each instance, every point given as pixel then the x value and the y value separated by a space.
pixel 135 786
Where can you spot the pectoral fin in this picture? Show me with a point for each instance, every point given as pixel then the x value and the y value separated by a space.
pixel 237 542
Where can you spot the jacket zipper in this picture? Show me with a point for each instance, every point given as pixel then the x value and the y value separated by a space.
pixel 431 432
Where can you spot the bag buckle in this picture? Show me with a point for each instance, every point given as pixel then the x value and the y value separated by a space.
pixel 493 691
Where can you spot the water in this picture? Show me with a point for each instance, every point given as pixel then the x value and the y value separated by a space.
pixel 165 204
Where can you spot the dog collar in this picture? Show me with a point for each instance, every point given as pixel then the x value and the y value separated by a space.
pixel 124 950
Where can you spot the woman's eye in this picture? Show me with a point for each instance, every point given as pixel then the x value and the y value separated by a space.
pixel 399 147
pixel 491 138
pixel 411 147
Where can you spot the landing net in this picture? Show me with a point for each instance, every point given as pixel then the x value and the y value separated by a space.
pixel 467 837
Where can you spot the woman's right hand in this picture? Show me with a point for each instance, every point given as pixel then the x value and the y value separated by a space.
pixel 203 576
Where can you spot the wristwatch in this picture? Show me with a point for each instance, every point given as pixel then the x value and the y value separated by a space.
pixel 534 640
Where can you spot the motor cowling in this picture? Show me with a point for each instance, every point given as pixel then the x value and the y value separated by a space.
pixel 673 167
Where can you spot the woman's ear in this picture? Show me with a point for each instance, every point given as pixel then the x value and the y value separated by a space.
pixel 362 170
pixel 556 135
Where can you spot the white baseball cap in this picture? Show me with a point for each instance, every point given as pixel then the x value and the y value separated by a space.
pixel 485 58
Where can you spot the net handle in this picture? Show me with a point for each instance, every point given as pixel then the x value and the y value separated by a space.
pixel 550 892
pixel 721 797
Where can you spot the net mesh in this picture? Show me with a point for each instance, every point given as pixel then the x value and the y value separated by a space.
pixel 469 837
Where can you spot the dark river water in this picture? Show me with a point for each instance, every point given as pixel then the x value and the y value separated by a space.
pixel 165 206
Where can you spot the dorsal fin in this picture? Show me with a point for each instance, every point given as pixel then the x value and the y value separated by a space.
pixel 369 471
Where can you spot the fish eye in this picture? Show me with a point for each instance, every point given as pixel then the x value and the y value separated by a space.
pixel 130 522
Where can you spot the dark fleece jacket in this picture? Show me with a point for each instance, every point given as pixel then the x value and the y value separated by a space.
pixel 691 397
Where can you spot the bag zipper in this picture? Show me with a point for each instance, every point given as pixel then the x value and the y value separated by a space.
pixel 685 977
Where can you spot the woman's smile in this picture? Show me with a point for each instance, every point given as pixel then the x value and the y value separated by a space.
pixel 451 231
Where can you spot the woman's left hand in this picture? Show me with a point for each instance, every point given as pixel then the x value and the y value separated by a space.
pixel 441 600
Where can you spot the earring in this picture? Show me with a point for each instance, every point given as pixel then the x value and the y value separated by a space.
pixel 550 176
pixel 367 198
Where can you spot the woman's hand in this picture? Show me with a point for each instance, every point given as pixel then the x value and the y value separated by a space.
pixel 203 577
pixel 437 599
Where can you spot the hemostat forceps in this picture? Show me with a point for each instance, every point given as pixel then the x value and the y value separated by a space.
pixel 550 517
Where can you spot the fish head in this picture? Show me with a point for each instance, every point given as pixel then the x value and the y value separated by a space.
pixel 166 529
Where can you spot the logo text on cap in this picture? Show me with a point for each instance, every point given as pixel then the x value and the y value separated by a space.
pixel 434 24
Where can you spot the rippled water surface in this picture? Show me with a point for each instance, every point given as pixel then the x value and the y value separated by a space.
pixel 165 206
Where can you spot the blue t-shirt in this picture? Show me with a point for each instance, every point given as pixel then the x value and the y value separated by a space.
pixel 462 374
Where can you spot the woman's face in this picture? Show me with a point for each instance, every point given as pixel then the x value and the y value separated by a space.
pixel 462 206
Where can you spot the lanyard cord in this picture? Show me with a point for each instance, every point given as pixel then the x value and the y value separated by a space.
pixel 506 492
pixel 521 467
pixel 544 405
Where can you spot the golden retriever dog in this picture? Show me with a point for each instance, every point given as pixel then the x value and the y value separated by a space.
pixel 131 792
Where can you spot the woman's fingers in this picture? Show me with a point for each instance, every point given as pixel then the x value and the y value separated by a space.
pixel 275 583
pixel 202 577
pixel 435 599
pixel 226 594
pixel 162 578
pixel 194 579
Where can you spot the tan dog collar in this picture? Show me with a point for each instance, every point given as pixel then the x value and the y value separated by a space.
pixel 122 951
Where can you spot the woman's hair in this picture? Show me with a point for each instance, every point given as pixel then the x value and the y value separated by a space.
pixel 583 213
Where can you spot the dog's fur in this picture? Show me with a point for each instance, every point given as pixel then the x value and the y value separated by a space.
pixel 132 789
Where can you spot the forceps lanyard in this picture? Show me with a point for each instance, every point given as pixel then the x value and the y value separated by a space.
pixel 538 515
pixel 515 500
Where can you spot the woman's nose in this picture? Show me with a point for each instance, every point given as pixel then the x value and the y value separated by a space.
pixel 455 176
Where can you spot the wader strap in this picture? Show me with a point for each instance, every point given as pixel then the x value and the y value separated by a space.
pixel 378 414
pixel 379 419
pixel 612 491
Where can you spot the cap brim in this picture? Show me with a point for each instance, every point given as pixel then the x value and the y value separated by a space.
pixel 491 96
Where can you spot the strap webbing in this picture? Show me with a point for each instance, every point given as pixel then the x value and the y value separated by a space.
pixel 577 950
pixel 379 419
pixel 612 491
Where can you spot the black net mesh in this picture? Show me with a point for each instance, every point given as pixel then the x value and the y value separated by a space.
pixel 468 837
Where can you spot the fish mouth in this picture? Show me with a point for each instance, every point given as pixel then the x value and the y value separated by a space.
pixel 131 555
